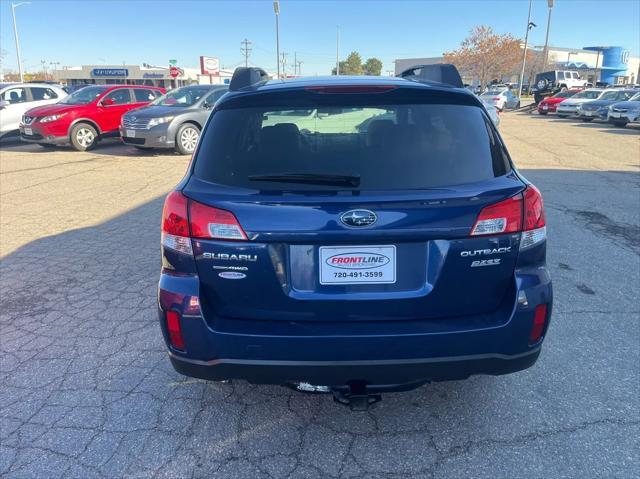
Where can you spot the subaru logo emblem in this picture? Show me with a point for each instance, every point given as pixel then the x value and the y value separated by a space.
pixel 358 218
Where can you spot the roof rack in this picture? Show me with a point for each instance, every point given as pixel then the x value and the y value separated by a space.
pixel 247 76
pixel 443 73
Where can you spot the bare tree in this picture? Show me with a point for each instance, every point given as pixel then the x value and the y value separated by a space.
pixel 485 55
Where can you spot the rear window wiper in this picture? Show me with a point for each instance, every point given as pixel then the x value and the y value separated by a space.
pixel 310 179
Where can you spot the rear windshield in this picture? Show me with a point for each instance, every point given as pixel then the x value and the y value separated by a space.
pixel 589 94
pixel 411 146
pixel 564 94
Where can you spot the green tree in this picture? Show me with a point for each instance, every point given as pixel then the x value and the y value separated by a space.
pixel 351 66
pixel 372 66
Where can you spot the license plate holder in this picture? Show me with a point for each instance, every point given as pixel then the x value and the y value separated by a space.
pixel 28 131
pixel 342 265
pixel 130 133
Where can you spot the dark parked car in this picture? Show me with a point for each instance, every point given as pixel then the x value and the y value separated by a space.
pixel 378 239
pixel 174 120
pixel 551 82
pixel 625 112
pixel 599 109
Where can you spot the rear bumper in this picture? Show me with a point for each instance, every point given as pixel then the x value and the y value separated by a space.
pixel 381 352
pixel 385 374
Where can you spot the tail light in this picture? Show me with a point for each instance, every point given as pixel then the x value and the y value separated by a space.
pixel 350 89
pixel 503 217
pixel 209 222
pixel 497 98
pixel 534 229
pixel 174 329
pixel 539 321
pixel 175 223
pixel 183 219
pixel 524 212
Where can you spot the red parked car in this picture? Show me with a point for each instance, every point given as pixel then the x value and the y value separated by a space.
pixel 85 116
pixel 549 104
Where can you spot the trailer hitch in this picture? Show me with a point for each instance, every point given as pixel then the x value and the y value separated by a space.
pixel 356 397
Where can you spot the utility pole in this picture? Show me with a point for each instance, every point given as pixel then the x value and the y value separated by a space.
pixel 530 25
pixel 55 67
pixel 276 9
pixel 284 64
pixel 246 50
pixel 15 33
pixel 295 63
pixel 546 38
pixel 44 68
pixel 337 50
pixel 299 62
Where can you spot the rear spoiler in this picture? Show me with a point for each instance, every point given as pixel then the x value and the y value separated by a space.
pixel 443 73
pixel 247 76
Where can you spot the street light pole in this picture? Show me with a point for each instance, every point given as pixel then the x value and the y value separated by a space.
pixel 15 33
pixel 524 55
pixel 338 50
pixel 546 38
pixel 276 9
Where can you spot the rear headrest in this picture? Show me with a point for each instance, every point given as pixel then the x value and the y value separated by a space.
pixel 282 137
pixel 379 132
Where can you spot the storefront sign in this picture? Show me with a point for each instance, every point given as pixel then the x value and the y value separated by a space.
pixel 110 72
pixel 209 66
pixel 152 75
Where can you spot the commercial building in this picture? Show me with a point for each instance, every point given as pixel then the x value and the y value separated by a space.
pixel 608 64
pixel 137 75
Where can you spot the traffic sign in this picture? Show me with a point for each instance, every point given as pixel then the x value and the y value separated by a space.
pixel 173 62
pixel 175 72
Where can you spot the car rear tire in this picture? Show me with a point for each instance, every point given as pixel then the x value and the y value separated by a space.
pixel 187 138
pixel 83 137
pixel 620 124
pixel 563 88
pixel 542 113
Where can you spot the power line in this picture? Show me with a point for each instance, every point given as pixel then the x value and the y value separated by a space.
pixel 246 50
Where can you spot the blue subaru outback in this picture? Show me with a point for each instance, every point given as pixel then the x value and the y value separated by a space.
pixel 352 235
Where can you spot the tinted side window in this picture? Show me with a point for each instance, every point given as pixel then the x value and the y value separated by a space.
pixel 39 93
pixel 560 75
pixel 120 97
pixel 144 95
pixel 15 95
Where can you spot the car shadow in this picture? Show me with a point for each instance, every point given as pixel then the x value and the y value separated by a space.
pixel 106 147
pixel 81 343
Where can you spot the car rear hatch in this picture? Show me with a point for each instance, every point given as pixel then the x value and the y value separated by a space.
pixel 352 207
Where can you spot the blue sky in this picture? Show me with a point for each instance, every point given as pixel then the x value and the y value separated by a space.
pixel 154 31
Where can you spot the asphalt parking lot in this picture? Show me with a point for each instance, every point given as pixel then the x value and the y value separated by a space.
pixel 86 389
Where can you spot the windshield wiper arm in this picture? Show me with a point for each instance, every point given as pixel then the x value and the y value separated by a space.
pixel 310 179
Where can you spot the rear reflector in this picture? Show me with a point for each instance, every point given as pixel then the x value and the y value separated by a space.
pixel 174 329
pixel 539 320
pixel 209 222
pixel 502 217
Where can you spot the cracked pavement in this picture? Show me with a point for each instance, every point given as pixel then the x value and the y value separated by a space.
pixel 86 389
